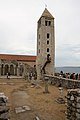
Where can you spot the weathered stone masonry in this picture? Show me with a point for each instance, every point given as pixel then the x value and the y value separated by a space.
pixel 45 44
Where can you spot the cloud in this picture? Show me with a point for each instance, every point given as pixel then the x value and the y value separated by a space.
pixel 18 28
pixel 68 55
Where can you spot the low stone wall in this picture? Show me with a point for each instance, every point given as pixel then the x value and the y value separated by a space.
pixel 64 82
pixel 73 105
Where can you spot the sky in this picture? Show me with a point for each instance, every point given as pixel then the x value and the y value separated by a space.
pixel 18 28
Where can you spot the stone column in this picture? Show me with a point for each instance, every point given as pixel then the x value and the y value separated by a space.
pixel 0 69
pixel 3 69
pixel 46 84
pixel 18 71
pixel 24 72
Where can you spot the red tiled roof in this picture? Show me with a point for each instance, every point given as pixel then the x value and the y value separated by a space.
pixel 17 57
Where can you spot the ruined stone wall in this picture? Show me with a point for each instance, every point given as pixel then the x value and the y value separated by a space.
pixel 67 83
pixel 73 105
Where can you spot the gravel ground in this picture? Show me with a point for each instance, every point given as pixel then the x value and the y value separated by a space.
pixel 21 92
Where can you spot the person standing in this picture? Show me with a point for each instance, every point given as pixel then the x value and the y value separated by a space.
pixel 7 75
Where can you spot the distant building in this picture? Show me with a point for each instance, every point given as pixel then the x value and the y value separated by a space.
pixel 16 65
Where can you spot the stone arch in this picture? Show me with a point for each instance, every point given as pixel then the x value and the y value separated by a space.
pixel 16 70
pixel 11 70
pixel 21 70
pixel 6 69
pixel 2 69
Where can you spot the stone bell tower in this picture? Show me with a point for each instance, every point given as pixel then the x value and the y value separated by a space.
pixel 45 45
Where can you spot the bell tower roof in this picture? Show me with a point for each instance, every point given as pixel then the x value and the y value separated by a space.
pixel 46 13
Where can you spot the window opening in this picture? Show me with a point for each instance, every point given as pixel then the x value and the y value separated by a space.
pixel 47 41
pixel 47 35
pixel 47 49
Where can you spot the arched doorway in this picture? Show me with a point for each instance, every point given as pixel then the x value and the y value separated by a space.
pixel 6 69
pixel 16 70
pixel 2 69
pixel 11 70
pixel 21 70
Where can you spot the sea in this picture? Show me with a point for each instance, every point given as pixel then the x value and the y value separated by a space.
pixel 67 69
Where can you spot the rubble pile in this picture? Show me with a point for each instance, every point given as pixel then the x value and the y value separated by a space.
pixel 4 110
pixel 60 99
pixel 73 104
